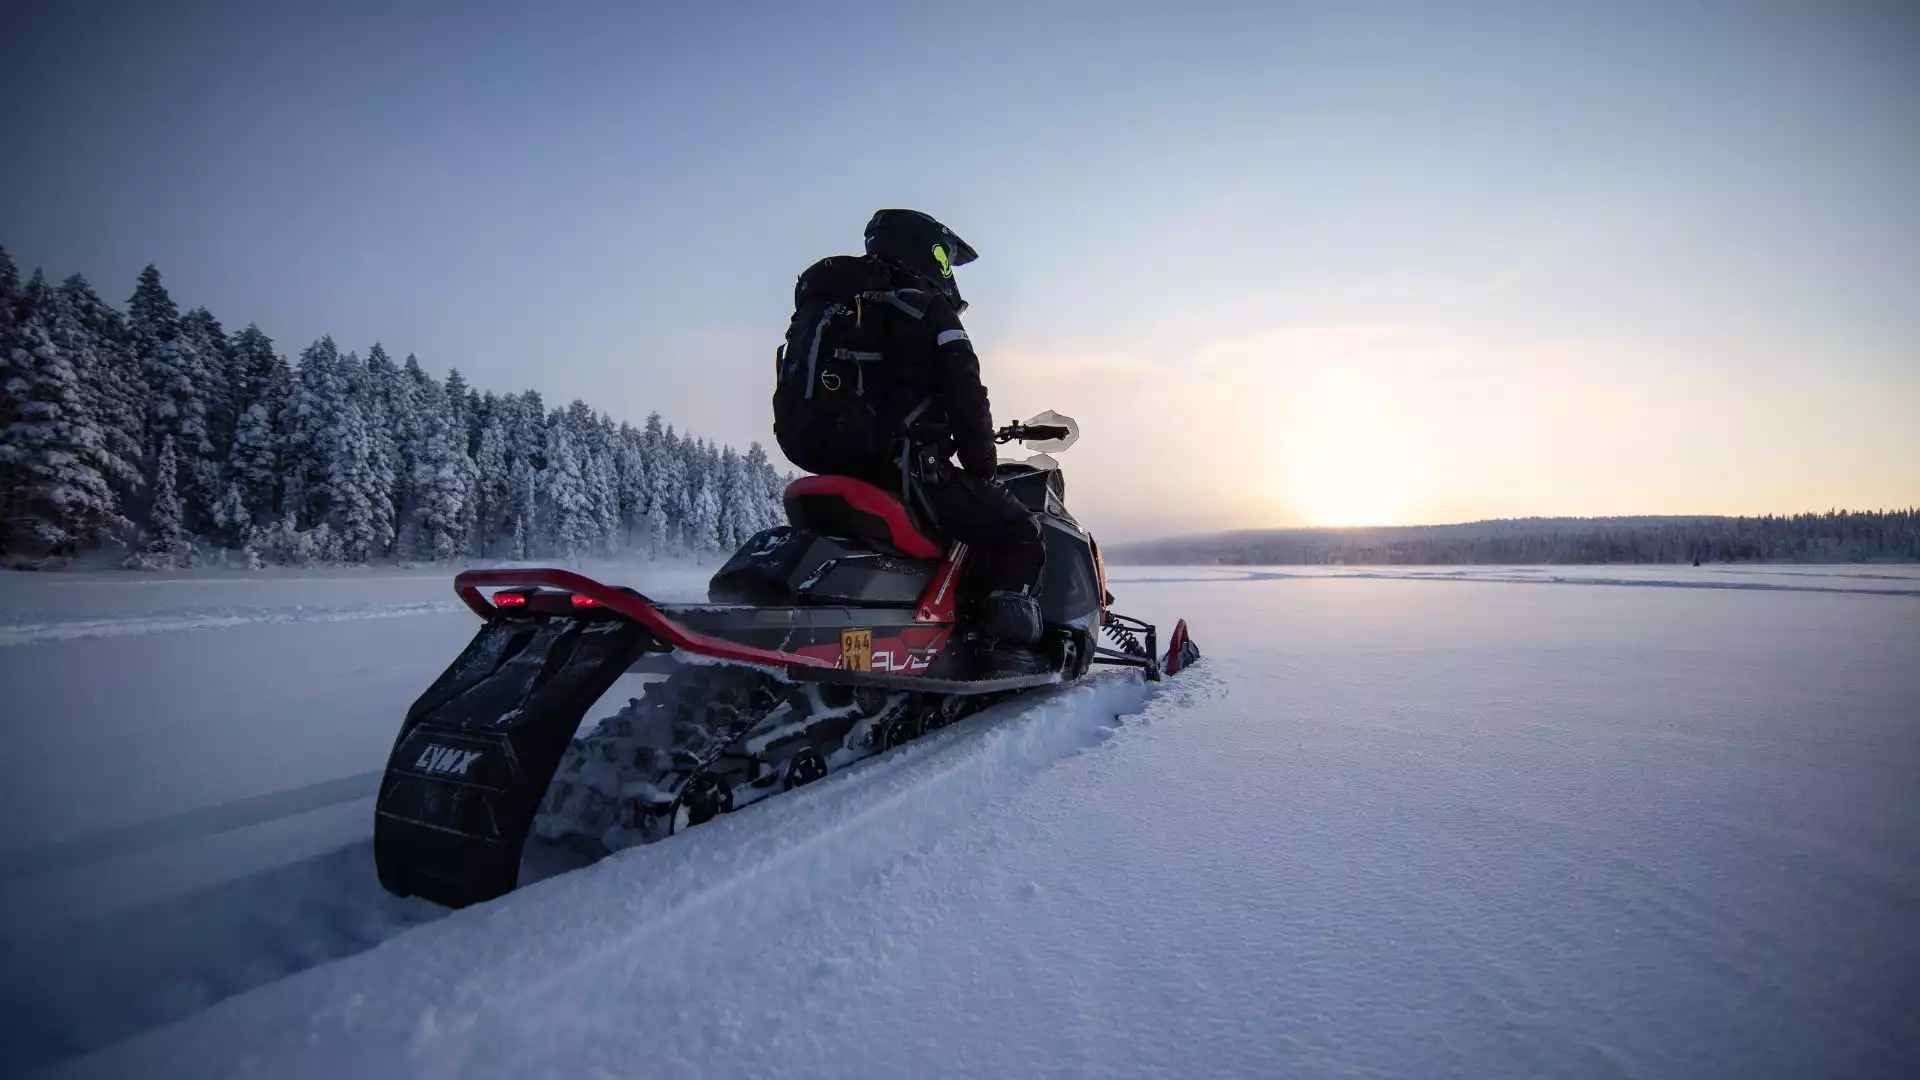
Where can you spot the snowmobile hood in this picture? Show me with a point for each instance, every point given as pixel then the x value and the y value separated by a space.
pixel 838 277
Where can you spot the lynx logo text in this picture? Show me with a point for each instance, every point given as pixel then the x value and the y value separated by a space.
pixel 446 760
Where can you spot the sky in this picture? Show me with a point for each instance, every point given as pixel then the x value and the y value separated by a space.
pixel 1287 264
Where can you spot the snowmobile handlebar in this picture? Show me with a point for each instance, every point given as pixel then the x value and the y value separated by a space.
pixel 1035 432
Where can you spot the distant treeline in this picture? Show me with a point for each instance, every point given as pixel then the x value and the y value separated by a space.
pixel 1836 536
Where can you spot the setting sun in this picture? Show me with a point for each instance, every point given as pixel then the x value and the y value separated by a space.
pixel 1349 461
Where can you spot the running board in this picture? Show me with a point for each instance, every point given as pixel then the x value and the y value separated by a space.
pixel 918 684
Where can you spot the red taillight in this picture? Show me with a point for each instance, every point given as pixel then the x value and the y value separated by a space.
pixel 510 599
pixel 585 601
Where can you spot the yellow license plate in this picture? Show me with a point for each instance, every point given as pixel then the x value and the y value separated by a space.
pixel 856 650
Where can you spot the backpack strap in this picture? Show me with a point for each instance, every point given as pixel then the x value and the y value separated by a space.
pixel 900 298
pixel 859 360
pixel 813 353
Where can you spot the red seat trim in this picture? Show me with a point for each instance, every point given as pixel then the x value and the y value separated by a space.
pixel 868 499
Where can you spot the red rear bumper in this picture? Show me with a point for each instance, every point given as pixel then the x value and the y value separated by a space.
pixel 469 583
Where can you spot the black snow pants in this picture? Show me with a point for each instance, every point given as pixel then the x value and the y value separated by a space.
pixel 1003 537
pixel 1004 548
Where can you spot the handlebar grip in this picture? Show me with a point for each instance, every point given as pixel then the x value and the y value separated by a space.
pixel 1042 432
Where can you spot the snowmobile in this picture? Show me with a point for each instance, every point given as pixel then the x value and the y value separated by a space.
pixel 840 635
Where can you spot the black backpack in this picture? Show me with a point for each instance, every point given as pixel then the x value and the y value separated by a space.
pixel 835 401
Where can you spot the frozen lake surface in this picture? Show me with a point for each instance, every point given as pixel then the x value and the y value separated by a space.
pixel 1438 822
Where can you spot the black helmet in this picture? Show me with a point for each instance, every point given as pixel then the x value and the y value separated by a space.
pixel 921 246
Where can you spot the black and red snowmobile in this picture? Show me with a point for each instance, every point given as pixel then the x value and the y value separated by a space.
pixel 838 636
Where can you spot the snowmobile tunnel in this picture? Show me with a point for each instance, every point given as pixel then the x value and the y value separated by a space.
pixel 629 604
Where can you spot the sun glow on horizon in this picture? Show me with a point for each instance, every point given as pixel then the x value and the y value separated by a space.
pixel 1350 461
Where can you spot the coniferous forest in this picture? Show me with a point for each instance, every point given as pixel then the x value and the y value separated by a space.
pixel 1833 537
pixel 163 434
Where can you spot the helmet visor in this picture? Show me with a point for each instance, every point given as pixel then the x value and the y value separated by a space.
pixel 959 252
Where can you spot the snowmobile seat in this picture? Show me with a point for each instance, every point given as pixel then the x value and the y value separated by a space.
pixel 843 506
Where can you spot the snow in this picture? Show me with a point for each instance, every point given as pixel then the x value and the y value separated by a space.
pixel 1479 822
pixel 209 619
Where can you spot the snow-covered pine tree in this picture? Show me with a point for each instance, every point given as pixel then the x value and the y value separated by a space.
pixel 379 477
pixel 687 450
pixel 386 470
pixel 491 479
pixel 653 451
pixel 460 410
pixel 152 316
pixel 603 501
pixel 578 419
pixel 469 525
pixel 350 490
pixel 410 393
pixel 177 380
pixel 593 445
pixel 630 467
pixel 232 518
pixel 9 300
pixel 753 508
pixel 215 380
pixel 765 489
pixel 526 458
pixel 152 319
pixel 465 406
pixel 349 493
pixel 546 534
pixel 58 500
pixel 442 475
pixel 521 540
pixel 95 337
pixel 667 509
pixel 703 524
pixel 307 423
pixel 166 539
pixel 289 489
pixel 566 496
pixel 9 288
pixel 252 462
pixel 703 517
pixel 738 512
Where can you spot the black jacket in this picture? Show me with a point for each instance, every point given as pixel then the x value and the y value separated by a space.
pixel 929 371
pixel 939 366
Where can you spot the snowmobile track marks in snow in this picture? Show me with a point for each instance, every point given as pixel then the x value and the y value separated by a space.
pixel 803 849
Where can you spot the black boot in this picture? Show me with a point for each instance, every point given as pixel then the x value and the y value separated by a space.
pixel 1011 622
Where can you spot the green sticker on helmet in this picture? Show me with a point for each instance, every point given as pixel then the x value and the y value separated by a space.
pixel 940 256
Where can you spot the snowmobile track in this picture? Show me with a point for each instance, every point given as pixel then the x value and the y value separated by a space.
pixel 710 739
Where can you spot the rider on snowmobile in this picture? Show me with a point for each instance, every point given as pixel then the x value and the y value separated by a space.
pixel 876 366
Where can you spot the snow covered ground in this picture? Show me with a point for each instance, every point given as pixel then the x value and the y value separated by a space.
pixel 1426 822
